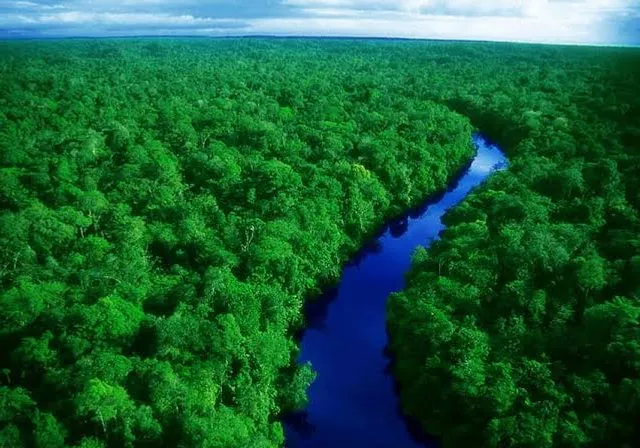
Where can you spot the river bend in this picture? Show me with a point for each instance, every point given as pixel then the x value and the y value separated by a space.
pixel 352 402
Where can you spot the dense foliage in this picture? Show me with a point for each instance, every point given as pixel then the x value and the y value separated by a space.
pixel 167 205
pixel 521 326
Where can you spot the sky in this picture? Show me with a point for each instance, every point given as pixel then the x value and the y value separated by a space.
pixel 600 22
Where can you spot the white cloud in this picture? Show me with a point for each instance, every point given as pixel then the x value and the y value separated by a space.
pixel 566 21
pixel 130 19
pixel 526 8
pixel 100 21
pixel 29 5
pixel 436 27
pixel 453 7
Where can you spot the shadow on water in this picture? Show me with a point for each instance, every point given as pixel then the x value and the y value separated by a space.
pixel 315 311
pixel 413 426
pixel 354 400
pixel 399 225
pixel 300 421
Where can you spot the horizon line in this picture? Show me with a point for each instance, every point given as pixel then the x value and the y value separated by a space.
pixel 319 37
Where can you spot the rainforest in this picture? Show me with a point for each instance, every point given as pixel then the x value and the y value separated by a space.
pixel 170 208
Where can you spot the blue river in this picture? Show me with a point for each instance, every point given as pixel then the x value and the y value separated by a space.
pixel 353 401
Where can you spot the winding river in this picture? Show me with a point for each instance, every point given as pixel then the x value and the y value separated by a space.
pixel 353 401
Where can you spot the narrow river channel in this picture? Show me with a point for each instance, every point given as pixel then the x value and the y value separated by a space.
pixel 352 402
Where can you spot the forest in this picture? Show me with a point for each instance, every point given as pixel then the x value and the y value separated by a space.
pixel 521 326
pixel 167 207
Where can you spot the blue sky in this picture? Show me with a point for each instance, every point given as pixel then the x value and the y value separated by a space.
pixel 547 21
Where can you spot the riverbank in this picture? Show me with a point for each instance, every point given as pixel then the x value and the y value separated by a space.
pixel 353 402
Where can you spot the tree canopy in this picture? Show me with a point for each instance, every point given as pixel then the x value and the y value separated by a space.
pixel 167 207
pixel 519 328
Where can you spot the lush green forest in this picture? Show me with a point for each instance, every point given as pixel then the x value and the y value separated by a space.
pixel 521 326
pixel 167 206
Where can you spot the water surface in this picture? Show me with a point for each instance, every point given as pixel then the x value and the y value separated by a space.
pixel 352 402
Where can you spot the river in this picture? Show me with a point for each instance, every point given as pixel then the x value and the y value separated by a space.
pixel 353 402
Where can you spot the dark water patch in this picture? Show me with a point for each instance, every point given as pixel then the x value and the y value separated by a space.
pixel 354 400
